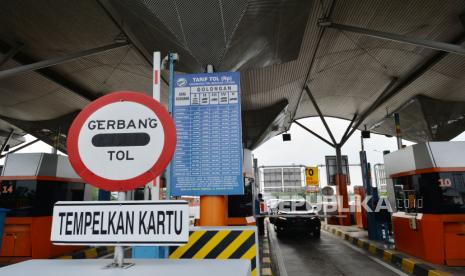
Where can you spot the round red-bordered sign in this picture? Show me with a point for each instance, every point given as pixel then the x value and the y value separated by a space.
pixel 116 115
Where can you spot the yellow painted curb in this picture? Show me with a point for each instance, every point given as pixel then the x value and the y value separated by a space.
pixel 266 272
pixel 387 256
pixel 360 243
pixel 90 253
pixel 408 265
pixel 437 273
pixel 372 249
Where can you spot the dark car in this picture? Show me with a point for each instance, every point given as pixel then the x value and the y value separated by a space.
pixel 297 216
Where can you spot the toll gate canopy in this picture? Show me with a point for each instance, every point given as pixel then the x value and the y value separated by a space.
pixel 359 60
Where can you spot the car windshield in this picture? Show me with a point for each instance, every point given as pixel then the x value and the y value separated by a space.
pixel 289 206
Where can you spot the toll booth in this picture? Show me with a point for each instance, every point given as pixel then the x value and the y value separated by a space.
pixel 30 184
pixel 426 188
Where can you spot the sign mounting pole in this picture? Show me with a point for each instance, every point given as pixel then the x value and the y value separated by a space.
pixel 172 58
pixel 120 142
pixel 155 186
pixel 118 260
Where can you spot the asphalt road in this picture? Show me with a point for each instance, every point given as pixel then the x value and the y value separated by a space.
pixel 304 255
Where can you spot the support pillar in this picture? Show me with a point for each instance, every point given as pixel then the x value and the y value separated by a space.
pixel 341 190
pixel 213 211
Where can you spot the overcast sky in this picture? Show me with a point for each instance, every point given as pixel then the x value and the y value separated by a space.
pixel 305 149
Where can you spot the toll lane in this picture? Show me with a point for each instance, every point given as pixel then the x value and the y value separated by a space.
pixel 325 256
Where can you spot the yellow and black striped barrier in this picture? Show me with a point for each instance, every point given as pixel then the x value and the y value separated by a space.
pixel 89 253
pixel 221 243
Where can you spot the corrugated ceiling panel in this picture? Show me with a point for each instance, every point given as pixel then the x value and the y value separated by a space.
pixel 113 70
pixel 260 84
pixel 351 70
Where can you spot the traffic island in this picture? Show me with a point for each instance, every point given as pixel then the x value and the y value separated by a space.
pixel 388 254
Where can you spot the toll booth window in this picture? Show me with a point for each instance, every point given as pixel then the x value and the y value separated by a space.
pixel 49 192
pixel 36 198
pixel 18 196
pixel 407 194
pixel 444 192
pixel 434 193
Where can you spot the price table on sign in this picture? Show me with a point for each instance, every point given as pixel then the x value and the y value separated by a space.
pixel 207 115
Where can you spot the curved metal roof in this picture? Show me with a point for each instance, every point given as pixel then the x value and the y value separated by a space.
pixel 279 46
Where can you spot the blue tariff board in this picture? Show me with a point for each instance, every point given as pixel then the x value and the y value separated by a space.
pixel 207 114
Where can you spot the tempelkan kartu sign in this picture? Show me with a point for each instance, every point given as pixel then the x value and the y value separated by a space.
pixel 121 222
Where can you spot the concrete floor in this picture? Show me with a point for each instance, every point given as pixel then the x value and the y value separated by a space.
pixel 328 255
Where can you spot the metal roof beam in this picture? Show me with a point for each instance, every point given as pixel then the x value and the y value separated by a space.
pixel 315 134
pixel 7 140
pixel 380 100
pixel 21 147
pixel 398 84
pixel 11 53
pixel 59 60
pixel 326 14
pixel 347 129
pixel 131 38
pixel 431 44
pixel 309 93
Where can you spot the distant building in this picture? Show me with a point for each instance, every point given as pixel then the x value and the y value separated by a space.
pixel 285 179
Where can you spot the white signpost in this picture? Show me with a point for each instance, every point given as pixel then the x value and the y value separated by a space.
pixel 120 142
pixel 121 223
